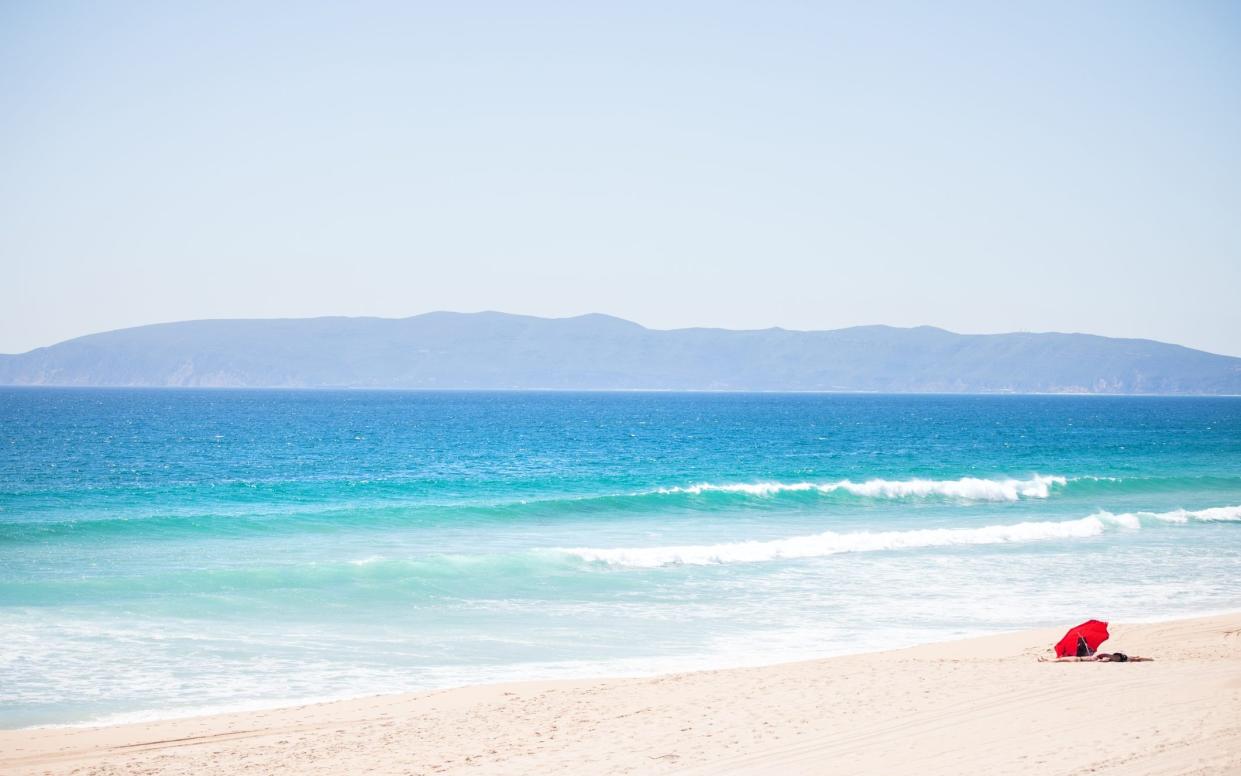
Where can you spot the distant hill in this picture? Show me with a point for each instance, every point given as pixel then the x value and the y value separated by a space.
pixel 598 352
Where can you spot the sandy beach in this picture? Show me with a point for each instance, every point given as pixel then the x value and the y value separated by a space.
pixel 983 705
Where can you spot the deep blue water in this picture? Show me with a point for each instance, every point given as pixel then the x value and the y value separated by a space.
pixel 170 551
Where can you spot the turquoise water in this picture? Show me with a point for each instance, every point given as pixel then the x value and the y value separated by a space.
pixel 173 552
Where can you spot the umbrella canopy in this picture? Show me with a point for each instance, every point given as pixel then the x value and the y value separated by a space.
pixel 1082 640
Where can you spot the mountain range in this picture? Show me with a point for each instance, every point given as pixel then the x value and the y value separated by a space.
pixel 499 351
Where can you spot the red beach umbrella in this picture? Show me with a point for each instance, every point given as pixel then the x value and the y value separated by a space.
pixel 1082 640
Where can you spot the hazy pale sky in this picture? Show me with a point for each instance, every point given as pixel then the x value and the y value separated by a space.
pixel 982 167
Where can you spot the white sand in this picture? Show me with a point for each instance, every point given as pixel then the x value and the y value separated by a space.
pixel 982 706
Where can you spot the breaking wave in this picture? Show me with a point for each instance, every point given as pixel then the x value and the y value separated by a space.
pixel 834 543
pixel 300 511
pixel 966 488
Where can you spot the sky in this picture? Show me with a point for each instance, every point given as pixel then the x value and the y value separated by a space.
pixel 983 167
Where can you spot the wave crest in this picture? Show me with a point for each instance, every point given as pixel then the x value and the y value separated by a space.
pixel 834 543
pixel 965 488
pixel 1212 515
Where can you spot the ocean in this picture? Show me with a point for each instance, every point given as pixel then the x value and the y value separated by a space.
pixel 172 552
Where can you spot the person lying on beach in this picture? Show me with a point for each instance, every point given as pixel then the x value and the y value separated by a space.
pixel 1102 657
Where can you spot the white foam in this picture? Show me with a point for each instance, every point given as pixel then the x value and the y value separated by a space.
pixel 752 489
pixel 966 488
pixel 1212 515
pixel 834 543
